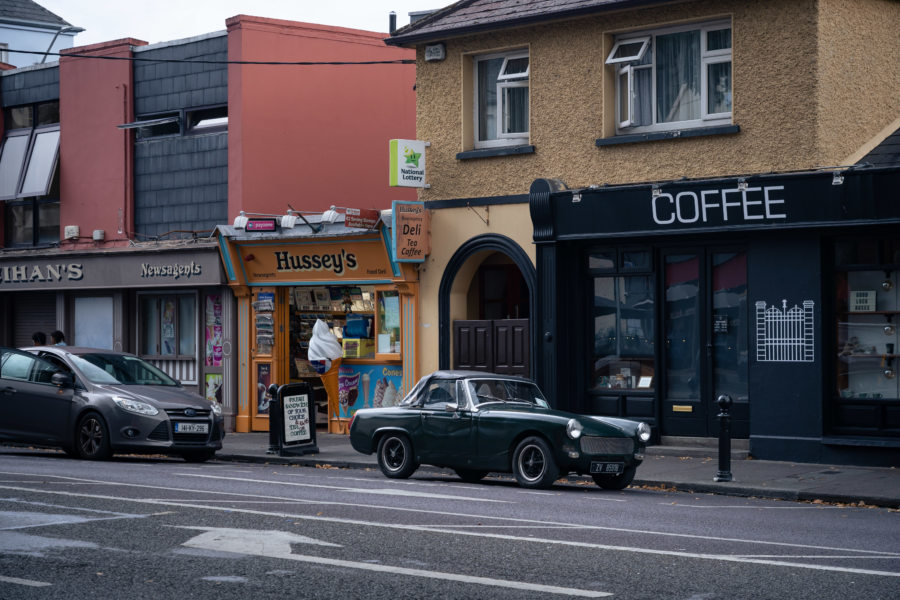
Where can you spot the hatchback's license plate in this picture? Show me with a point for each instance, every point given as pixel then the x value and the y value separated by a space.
pixel 607 468
pixel 191 427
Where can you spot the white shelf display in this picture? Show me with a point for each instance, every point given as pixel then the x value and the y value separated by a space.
pixel 867 336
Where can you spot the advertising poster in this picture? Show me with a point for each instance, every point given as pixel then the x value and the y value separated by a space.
pixel 368 386
pixel 263 380
pixel 168 327
pixel 214 330
pixel 296 418
pixel 214 387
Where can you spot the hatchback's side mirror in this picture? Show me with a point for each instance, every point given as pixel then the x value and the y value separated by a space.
pixel 62 380
pixel 451 407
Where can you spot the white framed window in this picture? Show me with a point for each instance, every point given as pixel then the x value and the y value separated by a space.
pixel 673 78
pixel 501 99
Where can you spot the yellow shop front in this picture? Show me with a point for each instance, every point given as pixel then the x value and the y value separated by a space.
pixel 286 279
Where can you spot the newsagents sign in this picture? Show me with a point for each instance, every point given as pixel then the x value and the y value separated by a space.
pixel 66 270
pixel 408 163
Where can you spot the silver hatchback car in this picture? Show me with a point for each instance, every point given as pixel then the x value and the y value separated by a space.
pixel 93 403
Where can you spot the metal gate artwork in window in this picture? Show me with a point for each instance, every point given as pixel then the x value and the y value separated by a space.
pixel 785 335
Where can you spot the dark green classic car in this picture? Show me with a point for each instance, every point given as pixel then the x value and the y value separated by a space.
pixel 476 423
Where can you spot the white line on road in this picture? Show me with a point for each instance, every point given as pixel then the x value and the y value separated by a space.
pixel 28 582
pixel 450 531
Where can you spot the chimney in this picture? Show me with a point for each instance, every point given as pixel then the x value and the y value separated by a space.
pixel 392 22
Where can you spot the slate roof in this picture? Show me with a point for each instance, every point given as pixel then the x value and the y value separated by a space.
pixel 885 154
pixel 470 16
pixel 31 12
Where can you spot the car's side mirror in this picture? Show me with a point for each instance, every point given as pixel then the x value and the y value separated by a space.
pixel 451 407
pixel 62 380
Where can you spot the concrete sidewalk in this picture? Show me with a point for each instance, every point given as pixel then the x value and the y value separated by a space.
pixel 687 470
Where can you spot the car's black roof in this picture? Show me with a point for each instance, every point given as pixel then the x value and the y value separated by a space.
pixel 464 374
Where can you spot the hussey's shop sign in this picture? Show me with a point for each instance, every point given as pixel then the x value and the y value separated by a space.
pixel 771 201
pixel 323 260
pixel 200 266
pixel 410 233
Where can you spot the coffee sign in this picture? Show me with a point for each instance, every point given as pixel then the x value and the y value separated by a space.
pixel 411 235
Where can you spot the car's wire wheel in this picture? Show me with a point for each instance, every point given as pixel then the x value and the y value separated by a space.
pixel 533 463
pixel 395 456
pixel 92 437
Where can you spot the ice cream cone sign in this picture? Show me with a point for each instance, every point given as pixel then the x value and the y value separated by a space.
pixel 325 355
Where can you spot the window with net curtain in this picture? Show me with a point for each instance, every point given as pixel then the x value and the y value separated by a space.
pixel 501 90
pixel 675 78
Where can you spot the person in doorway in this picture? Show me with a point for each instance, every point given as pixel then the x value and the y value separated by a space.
pixel 57 338
pixel 39 338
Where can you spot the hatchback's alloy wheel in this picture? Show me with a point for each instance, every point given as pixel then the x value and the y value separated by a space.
pixel 533 464
pixel 92 438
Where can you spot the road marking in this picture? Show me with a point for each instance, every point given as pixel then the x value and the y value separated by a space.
pixel 277 544
pixel 341 488
pixel 28 582
pixel 450 531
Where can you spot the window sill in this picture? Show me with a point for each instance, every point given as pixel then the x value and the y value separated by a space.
pixel 668 135
pixel 489 152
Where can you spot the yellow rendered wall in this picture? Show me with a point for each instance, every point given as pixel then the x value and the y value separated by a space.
pixel 859 75
pixel 450 228
pixel 813 79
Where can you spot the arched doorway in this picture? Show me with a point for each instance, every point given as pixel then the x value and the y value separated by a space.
pixel 487 298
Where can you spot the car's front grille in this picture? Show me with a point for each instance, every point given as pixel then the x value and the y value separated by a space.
pixel 161 433
pixel 191 438
pixel 606 445
pixel 182 412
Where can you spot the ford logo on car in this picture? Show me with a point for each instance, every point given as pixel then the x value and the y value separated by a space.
pixel 190 412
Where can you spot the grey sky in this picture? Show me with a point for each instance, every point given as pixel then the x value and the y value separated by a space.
pixel 163 20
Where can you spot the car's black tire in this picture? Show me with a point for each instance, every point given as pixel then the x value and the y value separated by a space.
pixel 92 437
pixel 471 475
pixel 198 456
pixel 533 464
pixel 395 456
pixel 616 482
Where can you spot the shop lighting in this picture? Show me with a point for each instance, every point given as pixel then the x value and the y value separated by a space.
pixel 742 184
pixel 576 197
pixel 240 221
pixel 331 215
pixel 289 220
pixel 837 178
pixel 655 191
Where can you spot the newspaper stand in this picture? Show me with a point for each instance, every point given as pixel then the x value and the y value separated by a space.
pixel 292 420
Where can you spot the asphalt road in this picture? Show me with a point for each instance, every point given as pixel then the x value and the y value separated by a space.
pixel 161 528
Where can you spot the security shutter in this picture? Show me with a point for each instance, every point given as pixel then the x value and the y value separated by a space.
pixel 33 312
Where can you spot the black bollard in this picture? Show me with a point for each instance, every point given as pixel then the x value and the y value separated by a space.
pixel 724 474
pixel 274 419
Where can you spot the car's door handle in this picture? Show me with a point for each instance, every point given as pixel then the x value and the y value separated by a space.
pixel 9 391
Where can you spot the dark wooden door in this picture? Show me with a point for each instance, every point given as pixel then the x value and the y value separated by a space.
pixel 499 346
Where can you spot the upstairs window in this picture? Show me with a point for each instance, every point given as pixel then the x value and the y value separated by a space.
pixel 29 175
pixel 501 99
pixel 674 78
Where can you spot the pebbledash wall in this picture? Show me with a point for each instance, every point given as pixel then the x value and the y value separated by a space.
pixel 796 108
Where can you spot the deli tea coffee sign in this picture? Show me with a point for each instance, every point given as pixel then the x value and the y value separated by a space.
pixel 408 163
pixel 411 235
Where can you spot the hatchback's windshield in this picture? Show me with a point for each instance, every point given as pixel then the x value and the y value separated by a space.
pixel 506 390
pixel 121 369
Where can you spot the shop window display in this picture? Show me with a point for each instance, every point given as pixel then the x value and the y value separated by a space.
pixel 867 273
pixel 624 322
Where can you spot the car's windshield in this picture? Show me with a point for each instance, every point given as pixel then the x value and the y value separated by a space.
pixel 119 368
pixel 506 390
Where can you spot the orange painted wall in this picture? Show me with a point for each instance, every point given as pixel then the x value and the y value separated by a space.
pixel 96 177
pixel 313 136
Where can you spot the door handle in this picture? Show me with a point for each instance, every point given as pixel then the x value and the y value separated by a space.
pixel 9 391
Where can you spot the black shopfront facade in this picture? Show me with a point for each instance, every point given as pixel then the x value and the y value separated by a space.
pixel 781 291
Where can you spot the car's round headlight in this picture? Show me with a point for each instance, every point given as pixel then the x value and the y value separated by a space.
pixel 574 429
pixel 643 431
pixel 135 406
pixel 216 408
